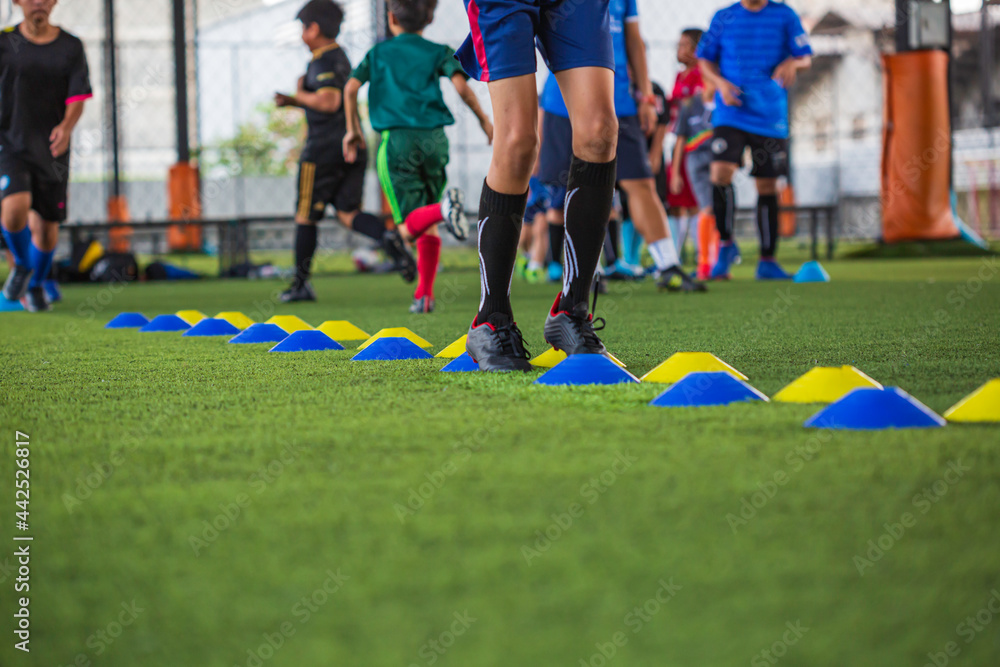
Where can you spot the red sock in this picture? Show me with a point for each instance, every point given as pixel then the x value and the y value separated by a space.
pixel 428 257
pixel 420 219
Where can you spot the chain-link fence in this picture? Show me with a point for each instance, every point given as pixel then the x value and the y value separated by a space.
pixel 240 52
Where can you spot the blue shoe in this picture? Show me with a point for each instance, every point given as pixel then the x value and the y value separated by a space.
pixel 52 290
pixel 768 269
pixel 728 255
pixel 622 271
pixel 555 272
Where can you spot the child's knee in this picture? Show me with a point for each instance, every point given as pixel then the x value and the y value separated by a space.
pixel 519 145
pixel 595 137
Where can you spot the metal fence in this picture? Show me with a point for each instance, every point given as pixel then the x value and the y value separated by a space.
pixel 240 52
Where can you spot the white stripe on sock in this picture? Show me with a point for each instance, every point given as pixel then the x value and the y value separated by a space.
pixel 484 287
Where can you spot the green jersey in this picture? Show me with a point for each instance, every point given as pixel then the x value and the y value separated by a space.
pixel 404 75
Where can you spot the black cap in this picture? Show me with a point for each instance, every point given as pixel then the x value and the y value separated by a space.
pixel 326 13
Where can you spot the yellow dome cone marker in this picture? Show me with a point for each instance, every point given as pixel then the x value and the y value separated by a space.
pixel 825 385
pixel 236 318
pixel 682 363
pixel 455 350
pixel 396 332
pixel 192 317
pixel 981 406
pixel 551 357
pixel 290 323
pixel 342 330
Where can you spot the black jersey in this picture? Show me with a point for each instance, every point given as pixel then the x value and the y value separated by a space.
pixel 37 81
pixel 329 68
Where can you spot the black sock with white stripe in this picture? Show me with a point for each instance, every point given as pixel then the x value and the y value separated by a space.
pixel 589 194
pixel 500 220
pixel 767 224
pixel 724 204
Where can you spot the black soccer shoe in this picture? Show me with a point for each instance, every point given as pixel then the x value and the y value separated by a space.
pixel 401 256
pixel 497 345
pixel 16 285
pixel 298 291
pixel 573 331
pixel 453 212
pixel 36 301
pixel 675 280
pixel 424 304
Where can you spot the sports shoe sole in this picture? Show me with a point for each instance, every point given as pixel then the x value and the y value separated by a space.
pixel 454 220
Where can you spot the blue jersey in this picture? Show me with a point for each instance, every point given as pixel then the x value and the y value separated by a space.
pixel 747 47
pixel 622 12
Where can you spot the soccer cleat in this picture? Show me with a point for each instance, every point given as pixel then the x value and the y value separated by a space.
pixel 52 290
pixel 497 345
pixel 534 276
pixel 402 258
pixel 453 212
pixel 298 291
pixel 35 301
pixel 729 254
pixel 16 285
pixel 622 271
pixel 704 271
pixel 768 269
pixel 573 331
pixel 675 280
pixel 555 272
pixel 521 267
pixel 424 304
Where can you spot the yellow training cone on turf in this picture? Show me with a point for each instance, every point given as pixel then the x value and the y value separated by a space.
pixel 551 357
pixel 236 318
pixel 982 405
pixel 825 385
pixel 396 332
pixel 682 363
pixel 341 330
pixel 290 323
pixel 192 317
pixel 455 350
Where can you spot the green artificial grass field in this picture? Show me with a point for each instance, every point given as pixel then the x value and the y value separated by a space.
pixel 199 503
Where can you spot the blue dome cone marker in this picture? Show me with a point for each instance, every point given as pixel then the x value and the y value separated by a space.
pixel 584 369
pixel 307 340
pixel 260 333
pixel 391 349
pixel 461 364
pixel 7 306
pixel 127 321
pixel 872 409
pixel 212 327
pixel 166 323
pixel 812 272
pixel 705 389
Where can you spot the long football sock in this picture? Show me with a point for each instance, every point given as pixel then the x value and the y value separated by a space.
pixel 557 236
pixel 664 253
pixel 500 220
pixel 305 248
pixel 612 248
pixel 41 262
pixel 368 225
pixel 428 258
pixel 590 189
pixel 674 225
pixel 724 206
pixel 767 225
pixel 682 233
pixel 708 240
pixel 421 219
pixel 20 245
pixel 631 243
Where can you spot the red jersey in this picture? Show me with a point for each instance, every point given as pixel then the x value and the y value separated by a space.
pixel 687 84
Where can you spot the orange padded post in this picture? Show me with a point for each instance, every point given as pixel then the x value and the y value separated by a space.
pixel 916 157
pixel 119 238
pixel 184 201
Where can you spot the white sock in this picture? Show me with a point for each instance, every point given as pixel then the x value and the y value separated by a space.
pixel 534 266
pixel 664 253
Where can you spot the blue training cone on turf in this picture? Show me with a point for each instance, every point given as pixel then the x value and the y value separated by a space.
pixel 461 364
pixel 812 272
pixel 705 389
pixel 127 321
pixel 391 349
pixel 870 409
pixel 307 340
pixel 260 333
pixel 166 323
pixel 8 306
pixel 584 369
pixel 211 326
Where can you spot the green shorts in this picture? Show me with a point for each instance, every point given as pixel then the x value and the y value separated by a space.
pixel 411 168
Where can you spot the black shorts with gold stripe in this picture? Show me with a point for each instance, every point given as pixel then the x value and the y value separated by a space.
pixel 336 184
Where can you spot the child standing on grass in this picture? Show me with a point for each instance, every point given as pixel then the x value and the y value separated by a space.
pixel 407 107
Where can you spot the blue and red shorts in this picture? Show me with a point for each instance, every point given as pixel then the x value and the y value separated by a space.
pixel 569 34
